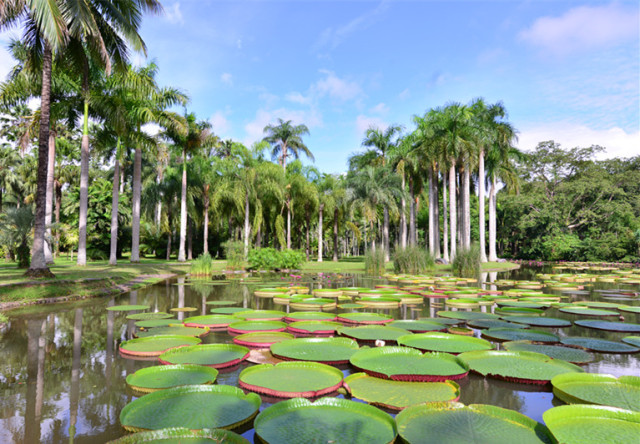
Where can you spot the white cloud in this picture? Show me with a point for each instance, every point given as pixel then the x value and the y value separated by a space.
pixel 583 28
pixel 405 94
pixel 363 123
pixel 173 14
pixel 254 130
pixel 221 125
pixel 336 88
pixel 380 108
pixel 226 78
pixel 297 97
pixel 618 143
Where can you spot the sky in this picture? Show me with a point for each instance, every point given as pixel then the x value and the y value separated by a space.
pixel 567 71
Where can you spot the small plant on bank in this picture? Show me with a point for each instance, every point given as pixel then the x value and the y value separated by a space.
pixel 272 259
pixel 234 250
pixel 466 263
pixel 374 262
pixel 202 266
pixel 412 260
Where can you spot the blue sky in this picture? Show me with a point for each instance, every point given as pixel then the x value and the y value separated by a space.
pixel 565 70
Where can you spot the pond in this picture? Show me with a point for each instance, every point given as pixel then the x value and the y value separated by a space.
pixel 62 378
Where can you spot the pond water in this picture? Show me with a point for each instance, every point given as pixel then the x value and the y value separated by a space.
pixel 62 378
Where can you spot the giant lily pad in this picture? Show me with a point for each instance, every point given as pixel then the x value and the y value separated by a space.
pixel 494 323
pixel 380 302
pixel 609 325
pixel 467 315
pixel 600 345
pixel 629 308
pixel 444 342
pixel 292 379
pixel 298 421
pixel 373 332
pixel 222 302
pixel 314 327
pixel 445 321
pixel 309 316
pixel 527 367
pixel 519 311
pixel 151 323
pixel 326 350
pixel 310 303
pixel 588 311
pixel 149 316
pixel 453 423
pixel 592 424
pixel 251 326
pixel 161 377
pixel 261 339
pixel 194 407
pixel 589 388
pixel 364 318
pixel 261 315
pixel 174 329
pixel 408 364
pixel 212 355
pixel 182 436
pixel 227 310
pixel 514 334
pixel 211 321
pixel 418 325
pixel 540 321
pixel 573 355
pixel 156 345
pixel 396 395
pixel 127 307
pixel 633 340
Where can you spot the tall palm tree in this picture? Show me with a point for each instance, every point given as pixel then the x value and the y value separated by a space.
pixel 286 140
pixel 404 160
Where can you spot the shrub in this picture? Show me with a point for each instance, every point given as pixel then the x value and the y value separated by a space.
pixel 234 251
pixel 374 262
pixel 412 260
pixel 202 266
pixel 15 233
pixel 466 263
pixel 272 259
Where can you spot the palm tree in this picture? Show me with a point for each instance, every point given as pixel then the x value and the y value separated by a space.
pixel 9 159
pixel 404 160
pixel 286 140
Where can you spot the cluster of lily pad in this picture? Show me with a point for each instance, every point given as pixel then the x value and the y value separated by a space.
pixel 406 366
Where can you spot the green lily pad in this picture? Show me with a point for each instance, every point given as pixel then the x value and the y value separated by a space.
pixel 291 379
pixel 311 303
pixel 251 326
pixel 418 325
pixel 396 395
pixel 521 304
pixel 600 345
pixel 588 311
pixel 156 345
pixel 326 350
pixel 194 407
pixel 177 435
pixel 445 321
pixel 174 330
pixel 211 321
pixel 309 316
pixel 261 315
pixel 128 307
pixel 589 388
pixel 454 423
pixel 212 355
pixel 373 332
pixel 408 364
pixel 444 342
pixel 183 309
pixel 222 302
pixel 514 334
pixel 467 315
pixel 328 420
pixel 633 340
pixel 314 327
pixel 351 306
pixel 151 323
pixel 149 316
pixel 538 321
pixel 262 339
pixel 161 377
pixel 364 318
pixel 519 311
pixel 592 424
pixel 494 323
pixel 573 355
pixel 609 325
pixel 629 308
pixel 227 310
pixel 521 366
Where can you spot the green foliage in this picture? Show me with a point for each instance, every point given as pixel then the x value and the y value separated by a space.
pixel 374 262
pixel 412 260
pixel 234 251
pixel 15 233
pixel 3 319
pixel 272 259
pixel 202 265
pixel 466 263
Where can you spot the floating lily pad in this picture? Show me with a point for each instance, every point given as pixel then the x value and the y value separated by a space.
pixel 212 355
pixel 396 395
pixel 262 339
pixel 519 311
pixel 261 315
pixel 251 326
pixel 328 420
pixel 351 306
pixel 194 407
pixel 149 316
pixel 211 321
pixel 633 340
pixel 128 307
pixel 418 325
pixel 174 330
pixel 227 310
pixel 309 316
pixel 364 318
pixel 609 325
pixel 155 345
pixel 159 377
pixel 467 315
pixel 589 388
pixel 521 304
pixel 454 423
pixel 182 436
pixel 588 311
pixel 310 303
pixel 373 332
pixel 326 350
pixel 522 366
pixel 445 321
pixel 444 342
pixel 600 345
pixel 514 334
pixel 408 364
pixel 538 321
pixel 151 323
pixel 314 327
pixel 629 308
pixel 573 355
pixel 222 302
pixel 494 323
pixel 291 379
pixel 183 309
pixel 592 424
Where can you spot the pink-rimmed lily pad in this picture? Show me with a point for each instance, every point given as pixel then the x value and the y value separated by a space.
pixel 418 325
pixel 569 354
pixel 211 321
pixel 514 334
pixel 261 315
pixel 324 350
pixel 160 377
pixel 155 345
pixel 212 355
pixel 364 318
pixel 444 342
pixel 173 329
pixel 626 327
pixel 261 339
pixel 183 436
pixel 309 316
pixel 253 326
pixel 371 333
pixel 599 345
pixel 325 328
pixel 590 388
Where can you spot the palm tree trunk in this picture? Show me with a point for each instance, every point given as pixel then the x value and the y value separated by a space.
pixel 452 208
pixel 84 176
pixel 412 215
pixel 183 209
pixel 436 215
pixel 335 235
pixel 288 225
pixel 113 259
pixel 51 164
pixel 492 220
pixel 308 229
pixel 38 265
pixel 466 206
pixel 58 189
pixel 445 222
pixel 205 234
pixel 403 218
pixel 247 226
pixel 190 224
pixel 320 211
pixel 170 235
pixel 385 233
pixel 431 235
pixel 135 213
pixel 483 254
